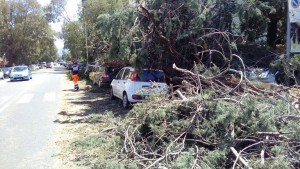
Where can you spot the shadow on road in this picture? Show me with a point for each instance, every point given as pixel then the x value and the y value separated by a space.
pixel 90 100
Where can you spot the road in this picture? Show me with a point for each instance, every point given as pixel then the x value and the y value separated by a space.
pixel 27 114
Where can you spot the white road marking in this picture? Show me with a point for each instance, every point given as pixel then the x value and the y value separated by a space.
pixel 11 101
pixel 49 97
pixel 4 99
pixel 26 98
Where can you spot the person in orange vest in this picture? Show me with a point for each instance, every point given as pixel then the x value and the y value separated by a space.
pixel 74 73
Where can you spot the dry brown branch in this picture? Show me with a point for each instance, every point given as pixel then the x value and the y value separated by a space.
pixel 204 142
pixel 230 99
pixel 289 116
pixel 245 140
pixel 181 95
pixel 238 157
pixel 269 133
pixel 187 72
pixel 167 153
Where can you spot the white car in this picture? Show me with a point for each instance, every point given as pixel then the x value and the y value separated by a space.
pixel 1 74
pixel 20 73
pixel 132 86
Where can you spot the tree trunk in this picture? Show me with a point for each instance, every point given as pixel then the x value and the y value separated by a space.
pixel 272 32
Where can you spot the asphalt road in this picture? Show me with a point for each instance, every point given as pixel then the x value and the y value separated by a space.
pixel 27 114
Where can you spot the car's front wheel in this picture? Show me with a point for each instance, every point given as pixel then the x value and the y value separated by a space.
pixel 125 101
pixel 100 83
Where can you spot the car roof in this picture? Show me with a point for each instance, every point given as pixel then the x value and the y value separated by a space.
pixel 132 68
pixel 21 66
pixel 127 67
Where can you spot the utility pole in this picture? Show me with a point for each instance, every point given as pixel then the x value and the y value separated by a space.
pixel 86 47
pixel 288 34
pixel 83 2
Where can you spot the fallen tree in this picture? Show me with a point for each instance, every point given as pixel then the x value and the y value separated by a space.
pixel 208 122
pixel 208 131
pixel 216 118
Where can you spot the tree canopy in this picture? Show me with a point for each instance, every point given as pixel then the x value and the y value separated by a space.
pixel 161 32
pixel 26 36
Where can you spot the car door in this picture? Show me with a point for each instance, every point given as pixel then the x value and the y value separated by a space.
pixel 115 84
pixel 124 82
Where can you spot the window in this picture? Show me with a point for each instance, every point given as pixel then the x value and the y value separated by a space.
pixel 127 74
pixel 19 69
pixel 151 75
pixel 119 75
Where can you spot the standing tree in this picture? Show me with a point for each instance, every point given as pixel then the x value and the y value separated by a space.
pixel 73 35
pixel 24 32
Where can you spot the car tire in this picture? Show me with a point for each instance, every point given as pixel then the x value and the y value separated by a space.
pixel 100 83
pixel 125 102
pixel 112 96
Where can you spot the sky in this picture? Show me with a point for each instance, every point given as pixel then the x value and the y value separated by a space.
pixel 71 9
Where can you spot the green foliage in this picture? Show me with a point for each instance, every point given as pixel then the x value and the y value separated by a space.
pixel 99 43
pixel 288 70
pixel 272 164
pixel 54 10
pixel 217 126
pixel 278 150
pixel 117 34
pixel 256 18
pixel 26 35
pixel 184 161
pixel 100 148
pixel 73 33
pixel 216 159
pixel 296 130
pixel 113 164
pixel 91 142
pixel 93 118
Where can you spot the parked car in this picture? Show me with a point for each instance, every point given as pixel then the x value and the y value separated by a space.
pixel 260 74
pixel 1 74
pixel 50 65
pixel 6 71
pixel 92 70
pixel 132 86
pixel 43 64
pixel 20 73
pixel 33 67
pixel 104 75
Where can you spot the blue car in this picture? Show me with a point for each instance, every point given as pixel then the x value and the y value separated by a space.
pixel 20 73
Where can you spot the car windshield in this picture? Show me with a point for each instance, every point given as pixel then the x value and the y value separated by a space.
pixel 111 70
pixel 19 69
pixel 151 75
